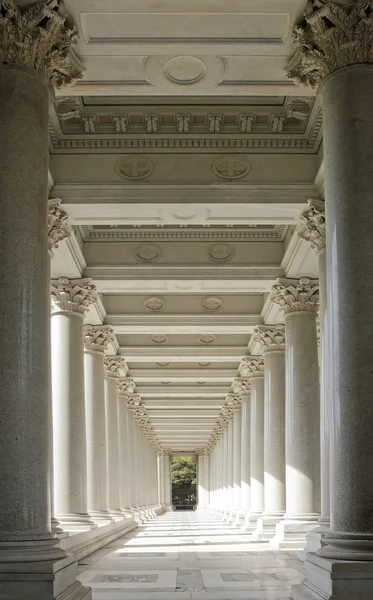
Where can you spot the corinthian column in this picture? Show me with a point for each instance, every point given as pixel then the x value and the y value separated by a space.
pixel 272 341
pixel 312 229
pixel 34 47
pixel 241 387
pixel 298 300
pixel 335 50
pixel 127 401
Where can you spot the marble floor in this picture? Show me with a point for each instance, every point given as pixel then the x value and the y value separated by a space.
pixel 189 556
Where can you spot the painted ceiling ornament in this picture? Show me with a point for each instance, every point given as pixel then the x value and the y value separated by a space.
pixel 148 252
pixel 220 252
pixel 154 303
pixel 334 34
pixel 251 366
pixel 134 167
pixel 231 167
pixel 97 337
pixel 37 37
pixel 312 226
pixel 270 337
pixel 241 386
pixel 212 304
pixel 296 295
pixel 72 295
pixel 126 385
pixel 58 226
pixel 115 366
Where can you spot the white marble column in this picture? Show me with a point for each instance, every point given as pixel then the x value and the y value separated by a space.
pixel 272 341
pixel 167 481
pixel 130 487
pixel 126 387
pixel 346 90
pixel 96 341
pixel 229 514
pixel 312 229
pixel 31 563
pixel 237 462
pixel 161 479
pixel 299 302
pixel 70 301
pixel 241 387
pixel 206 460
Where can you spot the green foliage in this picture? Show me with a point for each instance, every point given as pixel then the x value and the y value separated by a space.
pixel 183 472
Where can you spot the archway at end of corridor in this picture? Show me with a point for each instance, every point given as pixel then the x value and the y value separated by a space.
pixel 184 482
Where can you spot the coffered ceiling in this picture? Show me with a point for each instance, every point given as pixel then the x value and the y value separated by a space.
pixel 184 158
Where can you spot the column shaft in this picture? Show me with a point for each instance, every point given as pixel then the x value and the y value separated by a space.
pixel 245 454
pixel 237 460
pixel 257 448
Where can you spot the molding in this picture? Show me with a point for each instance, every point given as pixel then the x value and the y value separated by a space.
pixel 76 253
pixel 183 324
pixel 139 354
pixel 156 376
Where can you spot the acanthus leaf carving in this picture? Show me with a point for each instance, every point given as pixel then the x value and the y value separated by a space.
pixel 97 337
pixel 241 386
pixel 72 295
pixel 251 366
pixel 115 366
pixel 312 226
pixel 126 385
pixel 296 295
pixel 270 337
pixel 58 226
pixel 37 37
pixel 334 34
pixel 133 401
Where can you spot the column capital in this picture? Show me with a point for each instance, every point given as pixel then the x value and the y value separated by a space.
pixel 233 400
pixel 167 452
pixel 58 226
pixel 296 295
pixel 37 37
pixel 227 412
pixel 200 451
pixel 133 401
pixel 251 366
pixel 126 386
pixel 241 386
pixel 334 34
pixel 139 412
pixel 270 337
pixel 115 366
pixel 97 337
pixel 72 295
pixel 312 226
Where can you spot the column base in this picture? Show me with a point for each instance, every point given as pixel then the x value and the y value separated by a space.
pixel 39 578
pixel 240 518
pixel 168 508
pixel 314 538
pixel 76 522
pixel 266 526
pixel 116 514
pixel 100 517
pixel 331 579
pixel 292 532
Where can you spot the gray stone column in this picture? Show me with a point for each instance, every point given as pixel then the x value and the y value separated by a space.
pixel 272 341
pixel 299 302
pixel 115 366
pixel 34 58
pixel 347 94
pixel 312 229
pixel 70 301
pixel 96 341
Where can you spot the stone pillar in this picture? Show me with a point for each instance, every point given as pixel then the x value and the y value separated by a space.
pixel 272 341
pixel 229 514
pixel 237 462
pixel 70 301
pixel 127 400
pixel 200 479
pixel 167 480
pixel 114 366
pixel 312 229
pixel 299 301
pixel 343 567
pixel 161 479
pixel 58 230
pixel 206 459
pixel 241 387
pixel 96 341
pixel 34 58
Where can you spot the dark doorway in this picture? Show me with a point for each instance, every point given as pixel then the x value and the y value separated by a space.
pixel 184 482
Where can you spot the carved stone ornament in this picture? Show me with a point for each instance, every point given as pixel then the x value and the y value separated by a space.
pixel 241 386
pixel 220 252
pixel 58 226
pixel 133 401
pixel 334 34
pixel 200 451
pixel 312 227
pixel 148 252
pixel 126 386
pixel 97 337
pixel 115 366
pixel 227 412
pixel 154 303
pixel 37 37
pixel 295 295
pixel 233 400
pixel 212 304
pixel 72 295
pixel 231 167
pixel 270 337
pixel 251 366
pixel 139 413
pixel 207 339
pixel 134 167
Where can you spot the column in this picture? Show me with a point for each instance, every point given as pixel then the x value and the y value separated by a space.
pixel 200 479
pixel 70 301
pixel 167 480
pixel 130 450
pixel 161 479
pixel 96 341
pixel 31 562
pixel 256 378
pixel 206 460
pixel 113 367
pixel 346 92
pixel 126 401
pixel 241 387
pixel 298 300
pixel 272 341
pixel 237 462
pixel 312 229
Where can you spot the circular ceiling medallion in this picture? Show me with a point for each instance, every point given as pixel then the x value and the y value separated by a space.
pixel 154 304
pixel 159 339
pixel 184 70
pixel 134 167
pixel 207 364
pixel 164 364
pixel 201 382
pixel 220 252
pixel 148 252
pixel 207 339
pixel 212 304
pixel 230 167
